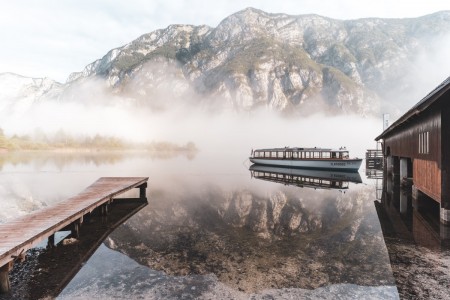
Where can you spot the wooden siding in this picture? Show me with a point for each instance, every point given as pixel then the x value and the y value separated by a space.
pixel 445 144
pixel 405 142
pixel 427 178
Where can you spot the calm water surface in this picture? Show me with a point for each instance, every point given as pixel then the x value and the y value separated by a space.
pixel 211 230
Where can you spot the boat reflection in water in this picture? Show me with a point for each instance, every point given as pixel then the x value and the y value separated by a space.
pixel 311 178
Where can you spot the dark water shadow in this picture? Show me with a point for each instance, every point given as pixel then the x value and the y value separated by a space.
pixel 47 271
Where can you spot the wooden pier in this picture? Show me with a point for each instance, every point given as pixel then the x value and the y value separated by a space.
pixel 374 159
pixel 21 234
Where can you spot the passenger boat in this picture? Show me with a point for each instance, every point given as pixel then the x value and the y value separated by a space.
pixel 314 158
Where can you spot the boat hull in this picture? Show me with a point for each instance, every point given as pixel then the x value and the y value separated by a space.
pixel 330 164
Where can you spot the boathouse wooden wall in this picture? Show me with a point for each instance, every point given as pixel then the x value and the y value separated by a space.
pixel 404 142
pixel 445 150
pixel 431 170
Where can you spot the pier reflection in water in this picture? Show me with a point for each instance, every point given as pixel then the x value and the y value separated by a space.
pixel 48 270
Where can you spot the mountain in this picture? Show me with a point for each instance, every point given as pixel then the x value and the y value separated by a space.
pixel 294 64
pixel 19 92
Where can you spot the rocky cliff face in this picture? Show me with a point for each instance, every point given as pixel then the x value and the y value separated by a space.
pixel 252 59
pixel 286 63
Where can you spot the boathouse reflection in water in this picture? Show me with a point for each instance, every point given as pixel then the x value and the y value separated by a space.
pixel 403 217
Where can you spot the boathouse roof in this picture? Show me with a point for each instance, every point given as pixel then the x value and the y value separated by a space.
pixel 417 109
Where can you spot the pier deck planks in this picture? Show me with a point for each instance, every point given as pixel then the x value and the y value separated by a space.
pixel 21 234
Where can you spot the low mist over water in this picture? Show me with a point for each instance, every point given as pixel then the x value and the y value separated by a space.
pixel 212 229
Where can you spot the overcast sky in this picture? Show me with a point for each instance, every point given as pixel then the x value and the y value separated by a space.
pixel 52 38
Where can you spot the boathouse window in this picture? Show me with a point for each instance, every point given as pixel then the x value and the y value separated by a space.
pixel 424 142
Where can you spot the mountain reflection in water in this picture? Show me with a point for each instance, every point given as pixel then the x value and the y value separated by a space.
pixel 287 238
pixel 210 230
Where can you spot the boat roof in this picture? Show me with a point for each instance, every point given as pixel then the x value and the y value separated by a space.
pixel 304 149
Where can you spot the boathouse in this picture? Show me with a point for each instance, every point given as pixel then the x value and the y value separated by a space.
pixel 417 147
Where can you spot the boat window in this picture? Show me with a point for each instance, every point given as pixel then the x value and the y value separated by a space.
pixel 333 154
pixel 326 155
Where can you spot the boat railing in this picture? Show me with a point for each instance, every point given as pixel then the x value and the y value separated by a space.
pixel 290 154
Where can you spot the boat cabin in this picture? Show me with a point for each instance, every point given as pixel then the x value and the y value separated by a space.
pixel 301 153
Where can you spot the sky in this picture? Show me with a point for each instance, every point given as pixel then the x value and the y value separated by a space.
pixel 53 38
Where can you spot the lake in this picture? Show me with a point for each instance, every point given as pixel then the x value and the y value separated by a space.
pixel 212 229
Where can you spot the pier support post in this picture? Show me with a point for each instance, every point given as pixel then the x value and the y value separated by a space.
pixel 5 285
pixel 389 164
pixel 416 198
pixel 104 209
pixel 51 241
pixel 445 216
pixel 396 168
pixel 403 202
pixel 142 191
pixel 403 168
pixel 76 229
pixel 444 232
